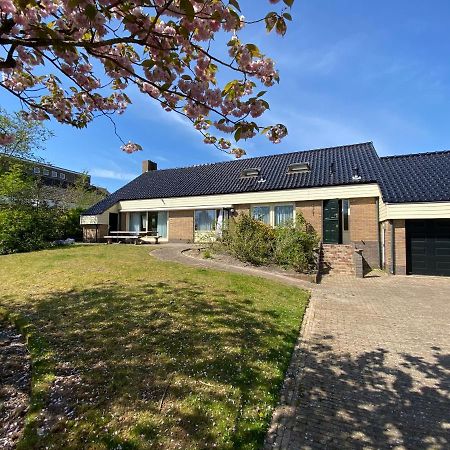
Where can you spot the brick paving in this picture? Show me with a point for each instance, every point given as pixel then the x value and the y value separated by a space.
pixel 371 369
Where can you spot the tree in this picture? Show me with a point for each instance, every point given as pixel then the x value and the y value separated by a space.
pixel 25 223
pixel 164 47
pixel 20 136
pixel 80 195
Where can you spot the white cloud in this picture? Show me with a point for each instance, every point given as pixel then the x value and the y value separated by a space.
pixel 112 174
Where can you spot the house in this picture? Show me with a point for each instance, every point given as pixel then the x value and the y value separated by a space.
pixel 48 174
pixel 395 209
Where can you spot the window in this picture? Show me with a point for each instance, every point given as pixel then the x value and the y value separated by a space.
pixel 45 171
pixel 62 176
pixel 36 170
pixel 261 213
pixel 250 173
pixel 138 221
pixel 299 167
pixel 205 219
pixel 157 222
pixel 54 174
pixel 275 215
pixel 283 214
pixel 345 214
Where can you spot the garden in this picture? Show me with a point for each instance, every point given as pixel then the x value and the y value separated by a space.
pixel 129 352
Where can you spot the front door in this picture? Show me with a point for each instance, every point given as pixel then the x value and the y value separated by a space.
pixel 331 222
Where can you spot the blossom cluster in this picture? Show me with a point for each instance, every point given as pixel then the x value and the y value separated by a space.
pixel 54 52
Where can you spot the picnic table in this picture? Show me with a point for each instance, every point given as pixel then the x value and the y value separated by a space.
pixel 135 237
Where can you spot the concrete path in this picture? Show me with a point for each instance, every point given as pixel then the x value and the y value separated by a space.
pixel 173 252
pixel 371 369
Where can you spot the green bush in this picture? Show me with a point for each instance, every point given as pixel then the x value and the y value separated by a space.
pixel 290 246
pixel 26 229
pixel 69 224
pixel 250 240
pixel 294 247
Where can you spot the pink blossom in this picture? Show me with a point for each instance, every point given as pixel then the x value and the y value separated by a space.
pixel 6 139
pixel 131 147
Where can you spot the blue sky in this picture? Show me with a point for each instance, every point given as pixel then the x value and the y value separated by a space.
pixel 351 71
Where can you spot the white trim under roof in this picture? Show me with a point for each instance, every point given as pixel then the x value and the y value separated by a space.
pixel 226 200
pixel 420 210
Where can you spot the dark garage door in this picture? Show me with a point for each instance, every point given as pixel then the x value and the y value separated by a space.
pixel 428 247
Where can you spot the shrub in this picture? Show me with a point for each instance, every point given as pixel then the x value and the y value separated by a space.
pixel 25 229
pixel 290 246
pixel 294 247
pixel 250 240
pixel 69 224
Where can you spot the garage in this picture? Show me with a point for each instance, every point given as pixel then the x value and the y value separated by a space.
pixel 428 247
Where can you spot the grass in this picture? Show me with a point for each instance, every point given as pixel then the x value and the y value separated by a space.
pixel 133 353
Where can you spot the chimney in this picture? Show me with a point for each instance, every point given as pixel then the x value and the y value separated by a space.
pixel 148 166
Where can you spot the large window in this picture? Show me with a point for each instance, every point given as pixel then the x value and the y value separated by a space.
pixel 206 219
pixel 283 214
pixel 261 213
pixel 275 215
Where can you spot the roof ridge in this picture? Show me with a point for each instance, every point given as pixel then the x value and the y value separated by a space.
pixel 266 156
pixel 407 155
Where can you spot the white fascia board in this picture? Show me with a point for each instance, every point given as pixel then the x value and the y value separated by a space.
pixel 262 197
pixel 420 210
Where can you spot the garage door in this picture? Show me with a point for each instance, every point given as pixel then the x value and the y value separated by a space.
pixel 428 247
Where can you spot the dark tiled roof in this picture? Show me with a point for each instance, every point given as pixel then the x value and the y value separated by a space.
pixel 420 177
pixel 329 167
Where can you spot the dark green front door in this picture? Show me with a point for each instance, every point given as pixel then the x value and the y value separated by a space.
pixel 331 228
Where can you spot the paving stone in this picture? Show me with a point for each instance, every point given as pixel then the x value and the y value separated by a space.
pixel 371 369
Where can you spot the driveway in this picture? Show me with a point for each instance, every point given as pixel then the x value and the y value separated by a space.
pixel 372 368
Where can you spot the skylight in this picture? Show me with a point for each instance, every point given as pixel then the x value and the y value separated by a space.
pixel 299 167
pixel 249 173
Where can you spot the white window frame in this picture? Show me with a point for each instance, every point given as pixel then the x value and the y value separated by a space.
pixel 62 176
pixel 216 213
pixel 272 207
pixel 46 172
pixel 54 174
pixel 36 170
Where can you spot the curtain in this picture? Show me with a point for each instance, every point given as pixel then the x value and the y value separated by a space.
pixel 284 214
pixel 205 220
pixel 161 226
pixel 261 213
pixel 219 225
pixel 135 222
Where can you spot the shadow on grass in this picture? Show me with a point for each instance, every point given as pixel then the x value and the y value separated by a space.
pixel 158 366
pixel 374 400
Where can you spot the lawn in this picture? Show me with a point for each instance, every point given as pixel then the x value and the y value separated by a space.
pixel 133 353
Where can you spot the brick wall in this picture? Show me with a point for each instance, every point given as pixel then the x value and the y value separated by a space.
pixel 363 219
pixel 312 212
pixel 94 233
pixel 181 226
pixel 363 223
pixel 400 246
